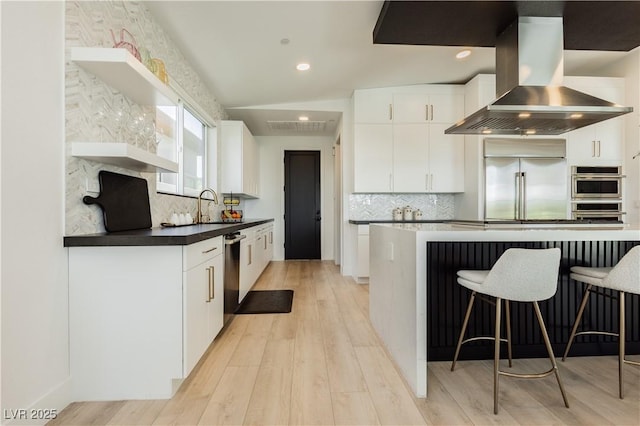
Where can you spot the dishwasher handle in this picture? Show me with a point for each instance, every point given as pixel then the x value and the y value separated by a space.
pixel 234 240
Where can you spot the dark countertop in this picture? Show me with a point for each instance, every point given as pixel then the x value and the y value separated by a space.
pixel 368 221
pixel 172 236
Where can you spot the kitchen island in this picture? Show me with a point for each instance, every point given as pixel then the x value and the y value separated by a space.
pixel 417 307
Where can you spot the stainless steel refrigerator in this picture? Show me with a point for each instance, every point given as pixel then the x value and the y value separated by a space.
pixel 525 179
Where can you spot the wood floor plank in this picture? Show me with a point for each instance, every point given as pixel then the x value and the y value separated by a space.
pixel 229 402
pixel 88 413
pixel 354 408
pixel 440 408
pixel 394 404
pixel 270 401
pixel 310 393
pixel 342 364
pixel 138 412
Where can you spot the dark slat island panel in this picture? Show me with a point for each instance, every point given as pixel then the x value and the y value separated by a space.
pixel 447 301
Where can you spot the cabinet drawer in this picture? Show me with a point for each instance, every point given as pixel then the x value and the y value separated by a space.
pixel 195 254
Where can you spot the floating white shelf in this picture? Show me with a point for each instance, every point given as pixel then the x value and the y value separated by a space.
pixel 121 70
pixel 123 155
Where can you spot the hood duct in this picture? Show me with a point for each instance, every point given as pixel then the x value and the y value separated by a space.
pixel 530 96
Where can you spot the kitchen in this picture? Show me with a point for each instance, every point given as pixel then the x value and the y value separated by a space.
pixel 47 365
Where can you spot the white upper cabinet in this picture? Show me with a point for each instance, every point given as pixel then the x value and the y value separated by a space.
pixel 373 106
pixel 239 159
pixel 600 143
pixel 406 150
pixel 428 108
pixel 373 160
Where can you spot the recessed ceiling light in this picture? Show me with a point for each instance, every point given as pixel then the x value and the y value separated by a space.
pixel 303 118
pixel 530 132
pixel 576 115
pixel 524 115
pixel 486 132
pixel 463 54
pixel 303 66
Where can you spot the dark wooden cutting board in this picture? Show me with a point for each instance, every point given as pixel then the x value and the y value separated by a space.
pixel 124 201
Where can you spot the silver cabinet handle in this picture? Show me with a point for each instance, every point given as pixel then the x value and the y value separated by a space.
pixel 598 149
pixel 249 247
pixel 426 112
pixel 270 237
pixel 210 250
pixel 431 183
pixel 265 242
pixel 390 112
pixel 431 108
pixel 523 213
pixel 516 203
pixel 593 149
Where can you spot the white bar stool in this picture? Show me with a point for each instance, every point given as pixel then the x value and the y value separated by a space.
pixel 522 275
pixel 624 278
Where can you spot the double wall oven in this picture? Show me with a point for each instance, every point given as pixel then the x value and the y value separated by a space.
pixel 596 193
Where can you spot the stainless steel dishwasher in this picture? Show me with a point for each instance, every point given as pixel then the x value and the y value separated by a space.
pixel 231 273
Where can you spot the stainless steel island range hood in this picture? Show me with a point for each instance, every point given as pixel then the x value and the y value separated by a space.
pixel 530 96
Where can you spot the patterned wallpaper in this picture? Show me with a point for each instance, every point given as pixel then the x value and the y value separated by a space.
pixel 87 23
pixel 379 206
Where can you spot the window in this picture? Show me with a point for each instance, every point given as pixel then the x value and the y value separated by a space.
pixel 182 137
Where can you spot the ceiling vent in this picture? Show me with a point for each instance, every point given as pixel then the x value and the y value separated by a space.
pixel 298 126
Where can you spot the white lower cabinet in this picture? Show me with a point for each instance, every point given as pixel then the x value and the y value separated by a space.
pixel 141 317
pixel 362 274
pixel 256 251
pixel 203 299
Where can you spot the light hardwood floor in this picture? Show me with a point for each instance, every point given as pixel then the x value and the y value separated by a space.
pixel 323 364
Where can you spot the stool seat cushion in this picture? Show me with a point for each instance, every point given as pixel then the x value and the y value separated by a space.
pixel 586 279
pixel 591 272
pixel 477 277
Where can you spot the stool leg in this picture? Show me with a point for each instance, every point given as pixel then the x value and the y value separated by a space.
pixel 552 358
pixel 464 329
pixel 496 357
pixel 585 299
pixel 507 312
pixel 621 343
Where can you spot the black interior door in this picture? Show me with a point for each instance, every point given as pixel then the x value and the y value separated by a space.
pixel 302 204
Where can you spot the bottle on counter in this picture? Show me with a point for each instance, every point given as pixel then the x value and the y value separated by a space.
pixel 417 214
pixel 397 213
pixel 407 213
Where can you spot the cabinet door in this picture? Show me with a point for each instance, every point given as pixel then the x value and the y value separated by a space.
pixel 410 108
pixel 196 315
pixel 247 266
pixel 410 152
pixel 373 158
pixel 598 143
pixel 216 305
pixel 446 108
pixel 609 137
pixel 446 160
pixel 373 106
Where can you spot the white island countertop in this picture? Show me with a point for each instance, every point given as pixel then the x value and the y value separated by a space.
pixel 398 277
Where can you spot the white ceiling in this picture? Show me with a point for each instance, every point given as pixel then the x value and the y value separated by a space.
pixel 236 48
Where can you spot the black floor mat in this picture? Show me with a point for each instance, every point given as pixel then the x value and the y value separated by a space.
pixel 266 302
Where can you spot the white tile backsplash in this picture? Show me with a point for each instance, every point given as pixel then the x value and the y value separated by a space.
pixel 380 206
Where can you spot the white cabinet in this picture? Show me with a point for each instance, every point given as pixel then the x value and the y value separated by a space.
pixel 256 251
pixel 203 298
pixel 373 106
pixel 137 331
pixel 247 262
pixel 428 108
pixel 373 159
pixel 410 153
pixel 427 160
pixel 239 159
pixel 600 143
pixel 362 265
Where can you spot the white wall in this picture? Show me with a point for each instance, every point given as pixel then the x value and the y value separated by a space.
pixel 35 341
pixel 271 201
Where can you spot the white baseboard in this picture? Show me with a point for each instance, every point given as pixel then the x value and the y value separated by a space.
pixel 43 410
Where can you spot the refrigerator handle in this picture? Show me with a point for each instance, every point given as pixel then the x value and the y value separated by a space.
pixel 516 207
pixel 523 211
